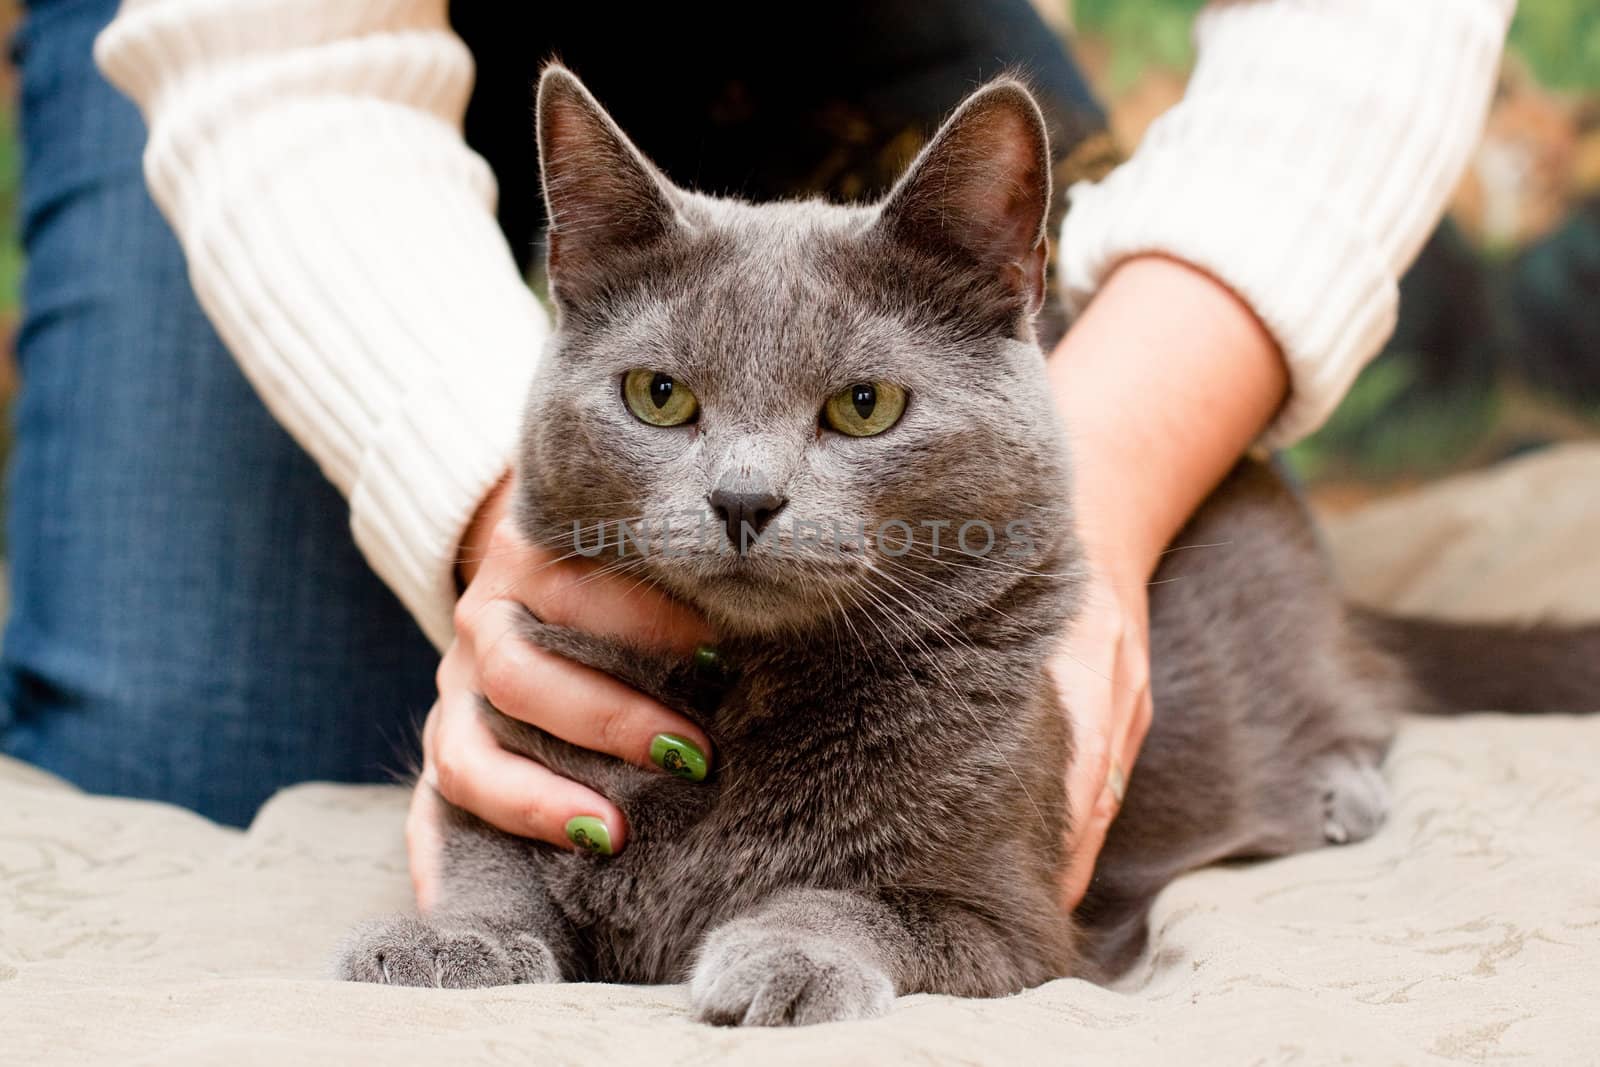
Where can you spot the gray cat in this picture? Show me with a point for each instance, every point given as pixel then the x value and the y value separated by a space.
pixel 887 815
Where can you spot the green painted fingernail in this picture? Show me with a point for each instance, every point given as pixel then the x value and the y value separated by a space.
pixel 678 755
pixel 588 832
pixel 707 660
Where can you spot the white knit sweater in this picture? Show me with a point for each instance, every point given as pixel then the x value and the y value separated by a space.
pixel 341 236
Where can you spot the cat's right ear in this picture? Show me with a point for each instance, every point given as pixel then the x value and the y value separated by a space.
pixel 603 200
pixel 979 192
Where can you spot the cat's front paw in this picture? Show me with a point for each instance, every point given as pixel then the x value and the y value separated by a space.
pixel 406 950
pixel 754 976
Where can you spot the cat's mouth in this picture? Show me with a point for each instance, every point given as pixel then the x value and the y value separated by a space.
pixel 762 593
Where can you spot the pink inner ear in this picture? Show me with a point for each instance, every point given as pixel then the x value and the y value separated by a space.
pixel 983 186
pixel 1006 191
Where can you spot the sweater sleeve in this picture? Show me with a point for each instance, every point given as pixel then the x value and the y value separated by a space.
pixel 1313 152
pixel 341 237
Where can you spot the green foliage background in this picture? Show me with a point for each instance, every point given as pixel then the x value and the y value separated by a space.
pixel 1559 39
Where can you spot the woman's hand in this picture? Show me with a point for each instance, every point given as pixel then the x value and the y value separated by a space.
pixel 1102 675
pixel 1162 384
pixel 462 760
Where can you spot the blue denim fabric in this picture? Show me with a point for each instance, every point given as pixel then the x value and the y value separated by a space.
pixel 190 618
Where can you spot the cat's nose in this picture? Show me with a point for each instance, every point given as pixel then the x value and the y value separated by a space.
pixel 735 508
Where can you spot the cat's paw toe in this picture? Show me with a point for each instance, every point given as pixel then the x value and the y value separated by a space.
pixel 1354 800
pixel 532 962
pixel 397 951
pixel 410 951
pixel 764 978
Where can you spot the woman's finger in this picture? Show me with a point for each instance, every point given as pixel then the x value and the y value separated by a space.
pixel 584 595
pixel 516 794
pixel 586 707
pixel 424 842
pixel 1102 798
pixel 1091 837
pixel 1090 802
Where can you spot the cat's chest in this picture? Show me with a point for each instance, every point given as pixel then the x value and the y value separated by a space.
pixel 699 854
pixel 823 779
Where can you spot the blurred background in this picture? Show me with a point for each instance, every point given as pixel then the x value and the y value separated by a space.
pixel 1498 349
pixel 1498 346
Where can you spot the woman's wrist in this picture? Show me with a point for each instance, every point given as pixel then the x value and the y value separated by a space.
pixel 475 539
pixel 1164 381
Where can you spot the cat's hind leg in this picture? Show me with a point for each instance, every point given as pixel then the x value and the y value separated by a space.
pixel 1351 795
pixel 1336 797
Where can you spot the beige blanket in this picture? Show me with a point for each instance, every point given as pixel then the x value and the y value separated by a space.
pixel 1467 930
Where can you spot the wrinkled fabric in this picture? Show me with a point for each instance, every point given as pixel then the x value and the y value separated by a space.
pixel 1467 930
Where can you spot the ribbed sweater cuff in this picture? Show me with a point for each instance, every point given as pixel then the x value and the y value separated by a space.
pixel 421 481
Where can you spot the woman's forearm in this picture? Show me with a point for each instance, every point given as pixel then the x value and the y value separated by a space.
pixel 1163 383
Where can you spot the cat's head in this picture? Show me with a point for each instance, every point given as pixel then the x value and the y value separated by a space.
pixel 787 412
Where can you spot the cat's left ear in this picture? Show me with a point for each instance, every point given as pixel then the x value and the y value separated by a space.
pixel 604 199
pixel 980 190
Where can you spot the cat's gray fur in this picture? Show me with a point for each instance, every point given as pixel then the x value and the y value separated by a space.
pixel 887 812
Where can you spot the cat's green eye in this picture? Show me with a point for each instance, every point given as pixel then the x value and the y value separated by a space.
pixel 659 399
pixel 865 408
